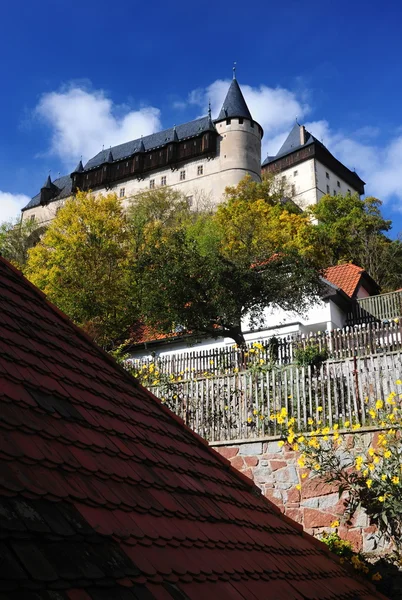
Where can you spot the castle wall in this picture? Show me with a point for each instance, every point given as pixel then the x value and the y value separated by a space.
pixel 316 505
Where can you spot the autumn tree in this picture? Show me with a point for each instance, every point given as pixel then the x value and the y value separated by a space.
pixel 207 272
pixel 351 229
pixel 82 263
pixel 16 238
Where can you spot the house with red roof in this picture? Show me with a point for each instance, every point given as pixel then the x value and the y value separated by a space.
pixel 106 495
pixel 343 286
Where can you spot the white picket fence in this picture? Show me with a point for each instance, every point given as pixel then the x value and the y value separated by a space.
pixel 239 405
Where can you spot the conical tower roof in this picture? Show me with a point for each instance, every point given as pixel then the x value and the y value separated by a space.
pixel 234 104
pixel 79 168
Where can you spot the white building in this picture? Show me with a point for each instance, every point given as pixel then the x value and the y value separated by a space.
pixel 200 159
pixel 310 170
pixel 344 284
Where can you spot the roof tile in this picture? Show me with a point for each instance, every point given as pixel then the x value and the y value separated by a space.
pixel 346 277
pixel 106 494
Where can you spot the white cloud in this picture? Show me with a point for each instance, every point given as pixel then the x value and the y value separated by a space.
pixel 83 121
pixel 11 204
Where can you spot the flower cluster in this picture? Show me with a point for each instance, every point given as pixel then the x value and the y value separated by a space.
pixel 371 478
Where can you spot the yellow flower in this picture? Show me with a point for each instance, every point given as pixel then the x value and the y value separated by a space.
pixel 381 498
pixel 261 417
pixel 281 443
pixel 395 480
pixel 376 460
pixel 379 404
pixel 316 467
pixel 372 414
pixel 226 407
pixel 301 439
pixel 335 427
pixel 335 524
pixel 387 454
pixel 319 409
pixel 325 430
pixel 255 412
pixel 383 477
pixel 398 382
pixel 371 451
pixel 249 420
pixel 369 483
pixel 304 475
pixel 298 486
pixel 310 421
pixel 347 423
pixel 365 472
pixel 284 412
pixel 301 462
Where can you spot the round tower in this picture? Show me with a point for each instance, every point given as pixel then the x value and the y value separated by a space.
pixel 239 138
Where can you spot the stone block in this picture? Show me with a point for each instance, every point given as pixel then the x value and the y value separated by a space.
pixel 227 452
pixel 316 518
pixel 294 513
pixel 237 462
pixel 310 502
pixel 264 463
pixel 251 461
pixel 328 501
pixel 277 464
pixel 316 487
pixel 262 475
pixel 273 448
pixel 287 474
pixel 253 449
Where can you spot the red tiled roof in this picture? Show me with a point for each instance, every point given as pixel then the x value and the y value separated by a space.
pixel 347 277
pixel 105 494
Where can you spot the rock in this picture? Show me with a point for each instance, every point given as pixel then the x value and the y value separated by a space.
pixel 287 474
pixel 316 518
pixel 237 462
pixel 273 448
pixel 253 449
pixel 251 461
pixel 328 501
pixel 227 452
pixel 277 464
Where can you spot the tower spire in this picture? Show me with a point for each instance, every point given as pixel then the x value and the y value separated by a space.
pixel 234 69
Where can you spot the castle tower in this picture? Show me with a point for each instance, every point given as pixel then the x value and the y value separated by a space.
pixel 240 138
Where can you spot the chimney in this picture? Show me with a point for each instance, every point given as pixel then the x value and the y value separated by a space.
pixel 302 135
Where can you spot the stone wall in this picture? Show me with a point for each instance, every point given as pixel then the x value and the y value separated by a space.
pixel 316 505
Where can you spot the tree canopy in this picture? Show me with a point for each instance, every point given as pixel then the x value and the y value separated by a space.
pixel 351 229
pixel 208 271
pixel 82 263
pixel 16 238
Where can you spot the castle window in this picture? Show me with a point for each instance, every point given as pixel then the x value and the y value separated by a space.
pixel 189 200
pixel 241 121
pixel 200 170
pixel 295 173
pixel 122 192
pixel 327 189
pixel 327 174
pixel 163 180
pixel 338 183
pixel 334 192
pixel 293 190
pixel 228 121
pixel 126 164
pixel 252 124
pixel 182 175
pixel 151 184
pixel 195 143
pixel 32 218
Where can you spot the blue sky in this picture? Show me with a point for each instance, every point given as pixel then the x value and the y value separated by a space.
pixel 77 75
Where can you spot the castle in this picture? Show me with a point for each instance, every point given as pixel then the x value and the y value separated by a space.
pixel 200 159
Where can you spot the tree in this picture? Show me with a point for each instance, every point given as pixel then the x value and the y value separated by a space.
pixel 350 229
pixel 83 263
pixel 16 238
pixel 208 271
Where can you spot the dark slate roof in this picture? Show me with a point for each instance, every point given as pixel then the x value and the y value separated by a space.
pixel 105 494
pixel 63 183
pixel 155 140
pixel 234 104
pixel 292 143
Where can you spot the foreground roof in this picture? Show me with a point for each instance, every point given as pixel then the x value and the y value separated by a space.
pixel 105 494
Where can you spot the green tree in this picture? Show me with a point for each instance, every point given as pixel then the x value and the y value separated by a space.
pixel 207 272
pixel 350 229
pixel 16 238
pixel 83 264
